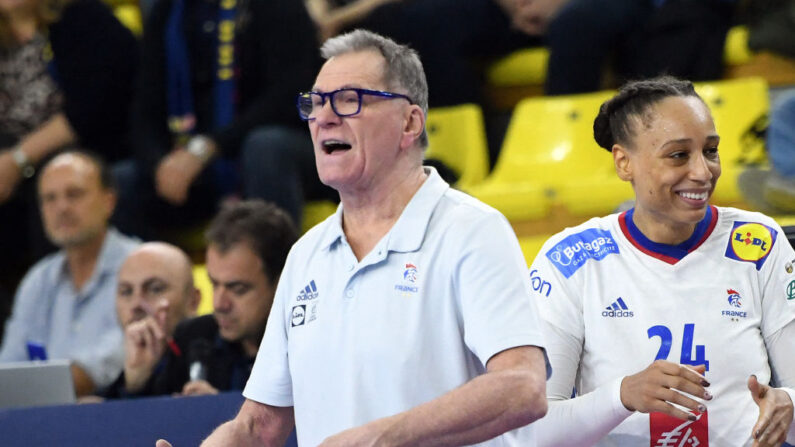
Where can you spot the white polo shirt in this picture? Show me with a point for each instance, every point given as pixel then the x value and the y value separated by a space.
pixel 348 342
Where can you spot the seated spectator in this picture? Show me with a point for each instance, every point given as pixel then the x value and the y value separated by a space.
pixel 66 75
pixel 155 292
pixel 199 126
pixel 248 245
pixel 64 308
pixel 772 190
pixel 454 38
pixel 642 38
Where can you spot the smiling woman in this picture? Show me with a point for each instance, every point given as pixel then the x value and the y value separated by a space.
pixel 673 277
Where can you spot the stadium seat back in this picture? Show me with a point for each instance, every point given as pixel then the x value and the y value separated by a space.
pixel 202 282
pixel 737 107
pixel 550 143
pixel 316 211
pixel 457 137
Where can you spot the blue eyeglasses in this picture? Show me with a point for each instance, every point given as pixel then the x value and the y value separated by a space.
pixel 344 102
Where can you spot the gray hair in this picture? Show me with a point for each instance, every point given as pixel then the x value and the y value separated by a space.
pixel 403 67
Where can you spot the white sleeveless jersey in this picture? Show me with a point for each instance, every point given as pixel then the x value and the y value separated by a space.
pixel 710 300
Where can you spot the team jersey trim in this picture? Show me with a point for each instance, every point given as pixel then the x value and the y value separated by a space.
pixel 670 254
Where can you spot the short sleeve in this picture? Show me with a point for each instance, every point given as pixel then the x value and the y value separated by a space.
pixel 559 300
pixel 494 292
pixel 270 382
pixel 778 286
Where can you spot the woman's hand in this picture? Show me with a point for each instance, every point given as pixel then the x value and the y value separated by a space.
pixel 662 384
pixel 775 414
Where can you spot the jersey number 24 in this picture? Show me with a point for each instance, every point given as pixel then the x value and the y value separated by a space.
pixel 687 357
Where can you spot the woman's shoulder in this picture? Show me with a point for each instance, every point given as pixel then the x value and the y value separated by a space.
pixel 738 216
pixel 605 225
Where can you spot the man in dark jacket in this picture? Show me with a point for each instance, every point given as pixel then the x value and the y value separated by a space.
pixel 215 105
pixel 248 245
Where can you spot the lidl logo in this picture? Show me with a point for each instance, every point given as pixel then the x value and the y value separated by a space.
pixel 751 242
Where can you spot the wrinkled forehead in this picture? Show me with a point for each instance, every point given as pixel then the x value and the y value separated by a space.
pixel 363 69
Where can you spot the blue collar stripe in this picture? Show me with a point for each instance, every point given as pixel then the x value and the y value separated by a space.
pixel 672 251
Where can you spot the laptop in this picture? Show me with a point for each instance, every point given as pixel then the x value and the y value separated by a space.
pixel 29 384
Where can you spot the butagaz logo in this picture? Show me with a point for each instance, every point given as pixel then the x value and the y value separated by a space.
pixel 618 309
pixel 308 293
pixel 538 283
pixel 408 286
pixel 572 252
pixel 299 315
pixel 751 242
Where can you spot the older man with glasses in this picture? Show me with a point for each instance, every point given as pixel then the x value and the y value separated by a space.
pixel 405 318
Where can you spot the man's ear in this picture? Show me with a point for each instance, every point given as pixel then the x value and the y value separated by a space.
pixel 623 162
pixel 194 300
pixel 413 127
pixel 110 198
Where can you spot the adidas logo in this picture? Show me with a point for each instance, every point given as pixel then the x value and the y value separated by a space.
pixel 309 292
pixel 618 309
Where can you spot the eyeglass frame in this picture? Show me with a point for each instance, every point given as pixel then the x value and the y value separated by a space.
pixel 360 92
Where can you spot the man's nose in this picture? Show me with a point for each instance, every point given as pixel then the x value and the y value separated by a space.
pixel 325 114
pixel 221 300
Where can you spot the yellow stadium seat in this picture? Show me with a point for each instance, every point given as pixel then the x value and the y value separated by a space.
pixel 736 105
pixel 457 137
pixel 130 16
pixel 549 157
pixel 315 212
pixel 202 282
pixel 785 220
pixel 522 67
pixel 531 245
pixel 529 65
pixel 736 51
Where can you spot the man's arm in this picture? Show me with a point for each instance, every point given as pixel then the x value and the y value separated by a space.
pixel 509 395
pixel 256 425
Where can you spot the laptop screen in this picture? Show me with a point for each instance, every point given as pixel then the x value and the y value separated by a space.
pixel 28 384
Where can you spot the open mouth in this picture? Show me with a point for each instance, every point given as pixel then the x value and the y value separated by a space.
pixel 331 146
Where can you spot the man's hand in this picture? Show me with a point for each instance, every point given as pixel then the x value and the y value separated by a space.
pixel 144 345
pixel 775 414
pixel 533 16
pixel 9 175
pixel 174 175
pixel 198 388
pixel 663 383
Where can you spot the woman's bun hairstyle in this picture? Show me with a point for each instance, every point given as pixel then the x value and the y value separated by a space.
pixel 613 122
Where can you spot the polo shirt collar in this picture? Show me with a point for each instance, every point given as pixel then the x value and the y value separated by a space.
pixel 103 266
pixel 409 231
